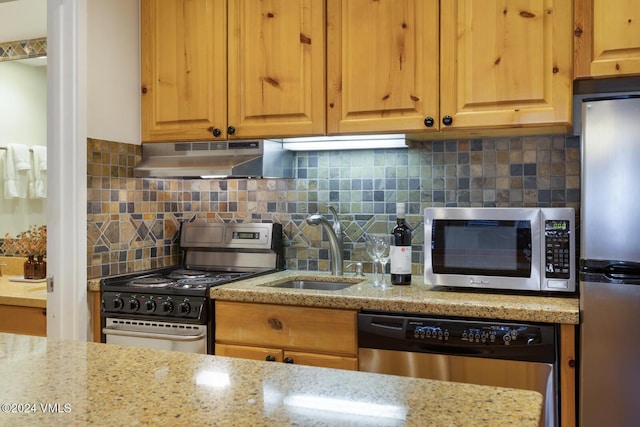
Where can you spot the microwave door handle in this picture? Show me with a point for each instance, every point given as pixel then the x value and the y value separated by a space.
pixel 135 334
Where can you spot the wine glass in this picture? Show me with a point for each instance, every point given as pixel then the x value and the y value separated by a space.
pixel 382 249
pixel 371 251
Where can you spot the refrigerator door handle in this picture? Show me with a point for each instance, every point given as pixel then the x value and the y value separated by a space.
pixel 619 271
pixel 625 273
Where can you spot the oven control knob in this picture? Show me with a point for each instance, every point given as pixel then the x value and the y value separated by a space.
pixel 150 306
pixel 167 307
pixel 185 308
pixel 118 304
pixel 134 305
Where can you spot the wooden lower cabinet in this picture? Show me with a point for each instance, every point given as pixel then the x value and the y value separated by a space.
pixel 23 320
pixel 95 303
pixel 291 334
pixel 280 355
pixel 568 394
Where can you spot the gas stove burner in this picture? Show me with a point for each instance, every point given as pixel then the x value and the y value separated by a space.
pixel 152 282
pixel 196 282
pixel 187 274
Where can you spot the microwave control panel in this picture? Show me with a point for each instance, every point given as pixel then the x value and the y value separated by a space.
pixel 557 249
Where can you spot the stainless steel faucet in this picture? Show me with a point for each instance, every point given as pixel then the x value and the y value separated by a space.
pixel 336 238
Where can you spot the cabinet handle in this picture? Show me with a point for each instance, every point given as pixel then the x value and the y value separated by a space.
pixel 447 120
pixel 429 122
pixel 288 360
pixel 270 358
pixel 144 89
pixel 216 132
pixel 231 130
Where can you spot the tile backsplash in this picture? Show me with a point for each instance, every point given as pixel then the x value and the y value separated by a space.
pixel 133 223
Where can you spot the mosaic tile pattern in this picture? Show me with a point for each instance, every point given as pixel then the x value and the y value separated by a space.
pixel 23 49
pixel 133 223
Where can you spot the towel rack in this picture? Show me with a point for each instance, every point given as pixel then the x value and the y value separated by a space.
pixel 4 148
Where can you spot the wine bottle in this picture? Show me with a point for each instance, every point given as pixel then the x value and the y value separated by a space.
pixel 401 249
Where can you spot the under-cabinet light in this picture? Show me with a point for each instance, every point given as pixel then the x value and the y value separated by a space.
pixel 345 142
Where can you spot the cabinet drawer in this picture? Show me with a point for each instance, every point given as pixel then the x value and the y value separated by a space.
pixel 248 352
pixel 322 360
pixel 287 327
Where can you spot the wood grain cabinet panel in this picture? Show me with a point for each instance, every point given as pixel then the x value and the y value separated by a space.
pixel 218 69
pixel 607 38
pixel 183 65
pixel 303 335
pixel 23 320
pixel 457 65
pixel 276 68
pixel 382 65
pixel 505 63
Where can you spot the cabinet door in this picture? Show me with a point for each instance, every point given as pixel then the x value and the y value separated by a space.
pixel 276 68
pixel 247 352
pixel 505 63
pixel 607 38
pixel 382 65
pixel 23 320
pixel 183 51
pixel 322 360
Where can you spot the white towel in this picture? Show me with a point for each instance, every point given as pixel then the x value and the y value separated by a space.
pixel 16 170
pixel 38 183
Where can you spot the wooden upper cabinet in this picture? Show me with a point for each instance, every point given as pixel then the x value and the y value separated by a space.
pixel 276 67
pixel 607 38
pixel 382 65
pixel 183 46
pixel 505 63
pixel 232 69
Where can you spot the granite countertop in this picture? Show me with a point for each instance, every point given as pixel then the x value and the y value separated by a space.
pixel 53 382
pixel 416 298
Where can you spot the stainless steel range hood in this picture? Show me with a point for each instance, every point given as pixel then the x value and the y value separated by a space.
pixel 262 158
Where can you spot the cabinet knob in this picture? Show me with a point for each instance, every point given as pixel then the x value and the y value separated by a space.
pixel 447 120
pixel 288 360
pixel 216 132
pixel 231 130
pixel 270 358
pixel 429 122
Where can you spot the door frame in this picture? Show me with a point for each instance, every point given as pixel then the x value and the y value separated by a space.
pixel 67 306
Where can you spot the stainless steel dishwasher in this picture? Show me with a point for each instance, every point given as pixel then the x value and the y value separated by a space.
pixel 484 352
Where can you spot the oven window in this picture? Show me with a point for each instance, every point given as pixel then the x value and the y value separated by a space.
pixel 481 247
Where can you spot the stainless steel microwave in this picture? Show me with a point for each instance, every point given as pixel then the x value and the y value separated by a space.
pixel 523 249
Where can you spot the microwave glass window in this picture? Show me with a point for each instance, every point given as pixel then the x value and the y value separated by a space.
pixel 482 247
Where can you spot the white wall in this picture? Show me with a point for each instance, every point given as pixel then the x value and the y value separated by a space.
pixel 23 120
pixel 113 70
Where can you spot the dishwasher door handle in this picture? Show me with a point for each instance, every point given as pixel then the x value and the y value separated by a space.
pixel 151 335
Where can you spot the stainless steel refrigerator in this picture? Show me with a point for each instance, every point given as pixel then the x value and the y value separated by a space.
pixel 609 369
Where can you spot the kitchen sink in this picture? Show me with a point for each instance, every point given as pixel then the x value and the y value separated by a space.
pixel 322 285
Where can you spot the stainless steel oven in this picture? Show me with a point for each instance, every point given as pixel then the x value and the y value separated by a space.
pixel 484 352
pixel 170 308
pixel 190 338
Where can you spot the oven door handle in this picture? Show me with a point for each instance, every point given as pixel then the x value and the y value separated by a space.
pixel 136 334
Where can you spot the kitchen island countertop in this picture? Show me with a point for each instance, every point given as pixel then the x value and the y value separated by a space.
pixel 416 298
pixel 53 382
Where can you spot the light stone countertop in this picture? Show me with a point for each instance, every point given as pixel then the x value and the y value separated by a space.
pixel 416 298
pixel 25 294
pixel 102 384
